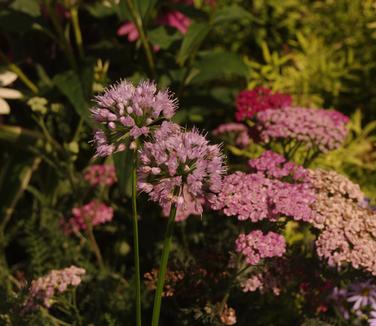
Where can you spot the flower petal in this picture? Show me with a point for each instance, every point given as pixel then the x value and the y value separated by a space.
pixel 10 93
pixel 7 77
pixel 4 107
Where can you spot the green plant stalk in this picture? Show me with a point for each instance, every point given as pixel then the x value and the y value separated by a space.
pixel 63 42
pixel 94 245
pixel 21 75
pixel 163 263
pixel 135 241
pixel 140 28
pixel 77 31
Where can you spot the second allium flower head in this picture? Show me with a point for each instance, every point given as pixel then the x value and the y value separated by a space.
pixel 125 112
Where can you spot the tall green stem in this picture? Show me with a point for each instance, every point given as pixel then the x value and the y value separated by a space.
pixel 135 241
pixel 140 28
pixel 77 31
pixel 163 263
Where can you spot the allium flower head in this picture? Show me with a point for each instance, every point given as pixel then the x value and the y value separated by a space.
pixel 100 174
pixel 180 159
pixel 95 213
pixel 256 246
pixel 44 288
pixel 126 112
pixel 319 128
pixel 249 102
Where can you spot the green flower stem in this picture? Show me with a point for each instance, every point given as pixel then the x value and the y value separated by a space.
pixel 21 75
pixel 140 28
pixel 77 31
pixel 135 241
pixel 163 263
pixel 94 245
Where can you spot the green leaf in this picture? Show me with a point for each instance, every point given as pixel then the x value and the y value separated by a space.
pixel 218 65
pixel 159 36
pixel 69 84
pixel 29 7
pixel 231 13
pixel 196 34
pixel 18 136
pixel 145 7
pixel 123 163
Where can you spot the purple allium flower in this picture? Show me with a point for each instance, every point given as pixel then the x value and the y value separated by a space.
pixel 44 288
pixel 256 246
pixel 100 174
pixel 238 130
pixel 95 213
pixel 180 159
pixel 126 112
pixel 321 128
pixel 255 197
pixel 274 165
pixel 372 320
pixel 249 102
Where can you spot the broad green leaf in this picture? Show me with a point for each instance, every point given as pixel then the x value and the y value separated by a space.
pixel 145 7
pixel 69 84
pixel 29 7
pixel 231 13
pixel 219 64
pixel 196 34
pixel 123 163
pixel 160 37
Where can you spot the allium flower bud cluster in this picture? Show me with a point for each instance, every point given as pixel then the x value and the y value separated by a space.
pixel 259 99
pixel 348 229
pixel 126 112
pixel 180 159
pixel 255 197
pixel 237 130
pixel 43 289
pixel 319 128
pixel 100 174
pixel 93 213
pixel 256 246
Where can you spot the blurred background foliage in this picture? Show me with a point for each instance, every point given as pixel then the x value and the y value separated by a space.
pixel 64 52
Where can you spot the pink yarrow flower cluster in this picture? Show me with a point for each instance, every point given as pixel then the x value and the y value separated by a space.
pixel 238 130
pixel 322 129
pixel 43 289
pixel 274 165
pixel 256 246
pixel 178 159
pixel 255 197
pixel 100 174
pixel 93 213
pixel 348 229
pixel 250 102
pixel 125 112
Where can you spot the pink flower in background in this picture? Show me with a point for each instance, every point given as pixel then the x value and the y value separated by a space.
pixel 126 112
pixel 180 159
pixel 250 102
pixel 256 246
pixel 238 130
pixel 43 289
pixel 100 174
pixel 323 129
pixel 176 19
pixel 95 213
pixel 129 30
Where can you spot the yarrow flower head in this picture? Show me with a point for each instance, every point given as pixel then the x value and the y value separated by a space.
pixel 100 174
pixel 256 246
pixel 94 213
pixel 125 112
pixel 238 131
pixel 43 289
pixel 249 102
pixel 317 128
pixel 348 229
pixel 178 159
